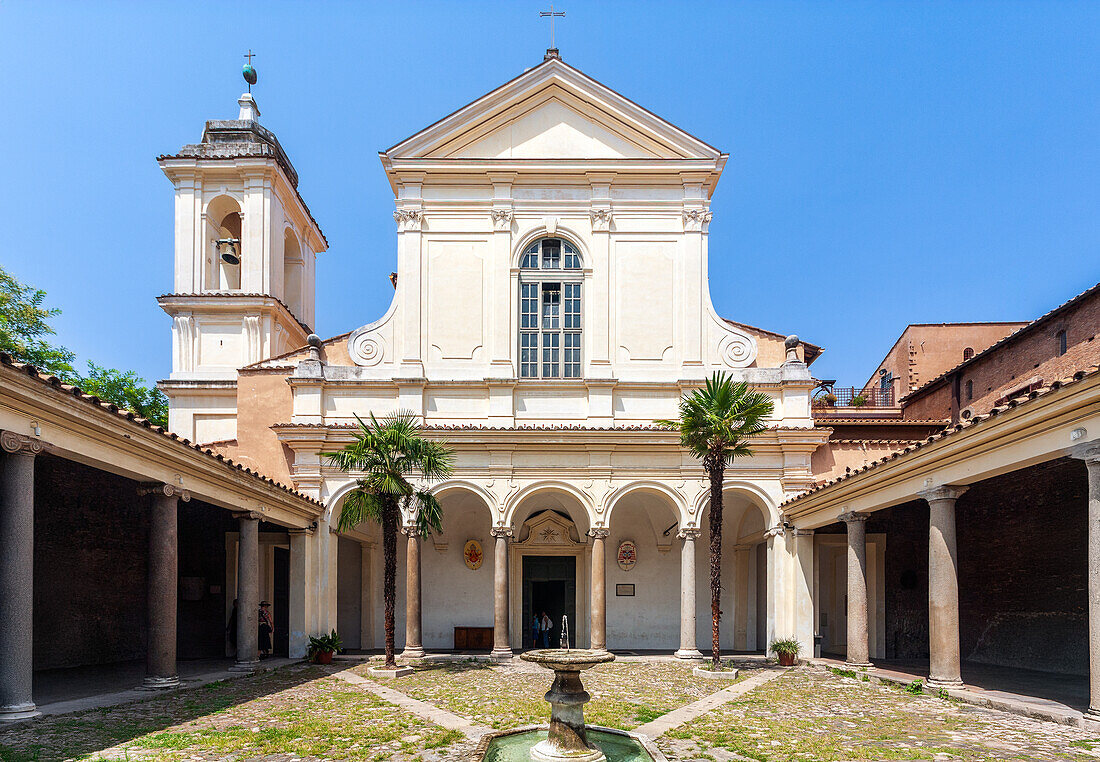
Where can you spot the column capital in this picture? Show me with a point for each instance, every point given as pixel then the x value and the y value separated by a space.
pixel 802 532
pixel 599 533
pixel 20 443
pixel 501 531
pixel 851 517
pixel 1088 452
pixel 306 531
pixel 167 490
pixel 253 515
pixel 411 530
pixel 689 533
pixel 942 492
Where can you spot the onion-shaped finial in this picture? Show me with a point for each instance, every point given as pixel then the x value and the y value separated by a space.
pixel 248 72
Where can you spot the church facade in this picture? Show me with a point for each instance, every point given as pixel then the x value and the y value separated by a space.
pixel 551 300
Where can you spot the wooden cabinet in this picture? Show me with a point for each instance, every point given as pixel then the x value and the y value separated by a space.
pixel 473 638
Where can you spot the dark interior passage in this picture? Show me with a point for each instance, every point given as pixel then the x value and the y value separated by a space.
pixel 549 585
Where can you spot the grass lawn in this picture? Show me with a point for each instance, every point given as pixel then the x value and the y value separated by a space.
pixel 814 715
pixel 298 711
pixel 625 694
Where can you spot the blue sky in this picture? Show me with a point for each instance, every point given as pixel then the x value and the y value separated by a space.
pixel 890 162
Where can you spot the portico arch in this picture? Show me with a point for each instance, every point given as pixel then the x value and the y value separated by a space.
pixel 643 595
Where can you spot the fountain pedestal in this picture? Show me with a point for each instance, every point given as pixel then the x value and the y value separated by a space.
pixel 567 740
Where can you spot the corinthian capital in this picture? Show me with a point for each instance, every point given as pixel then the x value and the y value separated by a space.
pixel 20 443
pixel 502 218
pixel 601 220
pixel 408 219
pixel 696 220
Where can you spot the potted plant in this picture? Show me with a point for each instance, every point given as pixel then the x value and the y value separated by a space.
pixel 787 649
pixel 825 400
pixel 322 648
pixel 859 400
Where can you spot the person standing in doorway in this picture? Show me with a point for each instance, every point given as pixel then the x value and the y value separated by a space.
pixel 536 628
pixel 267 626
pixel 545 626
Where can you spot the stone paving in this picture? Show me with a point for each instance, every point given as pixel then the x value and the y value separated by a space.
pixel 306 713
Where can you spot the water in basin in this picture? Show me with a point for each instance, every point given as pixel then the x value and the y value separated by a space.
pixel 517 747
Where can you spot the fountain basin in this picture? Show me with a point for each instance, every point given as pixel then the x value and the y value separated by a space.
pixel 517 745
pixel 567 737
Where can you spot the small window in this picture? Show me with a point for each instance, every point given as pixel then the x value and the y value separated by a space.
pixel 969 391
pixel 550 254
pixel 967 353
pixel 1062 346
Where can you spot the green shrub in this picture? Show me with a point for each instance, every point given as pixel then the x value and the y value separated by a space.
pixel 786 646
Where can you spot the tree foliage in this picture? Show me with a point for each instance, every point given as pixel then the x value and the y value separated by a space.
pixel 24 330
pixel 715 425
pixel 388 455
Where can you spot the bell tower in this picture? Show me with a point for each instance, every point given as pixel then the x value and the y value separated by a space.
pixel 245 254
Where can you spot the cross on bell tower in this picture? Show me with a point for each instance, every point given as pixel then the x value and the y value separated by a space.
pixel 552 51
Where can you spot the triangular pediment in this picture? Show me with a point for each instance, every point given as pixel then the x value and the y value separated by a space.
pixel 552 111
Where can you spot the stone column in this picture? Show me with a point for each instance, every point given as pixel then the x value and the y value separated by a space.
pixel 16 574
pixel 856 655
pixel 944 668
pixel 414 647
pixel 1091 455
pixel 688 644
pixel 161 585
pixel 741 561
pixel 502 642
pixel 248 593
pixel 599 588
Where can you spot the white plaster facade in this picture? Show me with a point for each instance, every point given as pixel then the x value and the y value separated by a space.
pixel 552 154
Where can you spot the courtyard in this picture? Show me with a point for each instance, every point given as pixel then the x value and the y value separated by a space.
pixel 309 712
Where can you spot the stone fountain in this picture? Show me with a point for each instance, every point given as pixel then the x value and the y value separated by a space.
pixel 568 739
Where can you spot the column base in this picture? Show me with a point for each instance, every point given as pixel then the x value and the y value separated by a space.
pixel 935 682
pixel 151 683
pixel 689 653
pixel 858 664
pixel 501 654
pixel 245 666
pixel 413 652
pixel 14 712
pixel 1092 715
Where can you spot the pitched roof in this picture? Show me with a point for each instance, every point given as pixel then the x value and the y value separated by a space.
pixel 171 439
pixel 950 431
pixel 1015 335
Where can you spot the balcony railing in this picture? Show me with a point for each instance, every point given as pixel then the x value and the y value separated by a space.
pixel 849 396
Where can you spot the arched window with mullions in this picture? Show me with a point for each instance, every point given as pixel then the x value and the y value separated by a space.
pixel 550 310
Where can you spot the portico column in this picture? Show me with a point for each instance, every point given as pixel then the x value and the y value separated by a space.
pixel 161 584
pixel 944 668
pixel 856 655
pixel 248 592
pixel 502 643
pixel 16 574
pixel 741 599
pixel 1090 453
pixel 414 647
pixel 688 649
pixel 599 589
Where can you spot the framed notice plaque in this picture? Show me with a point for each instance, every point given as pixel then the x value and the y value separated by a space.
pixel 624 590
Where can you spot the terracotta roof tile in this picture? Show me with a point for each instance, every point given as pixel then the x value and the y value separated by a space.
pixel 137 420
pixel 949 431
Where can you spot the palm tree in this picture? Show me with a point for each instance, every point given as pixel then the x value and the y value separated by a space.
pixel 715 424
pixel 388 452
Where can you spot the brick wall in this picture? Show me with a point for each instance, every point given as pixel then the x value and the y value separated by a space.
pixel 90 531
pixel 90 550
pixel 1022 569
pixel 906 577
pixel 1032 356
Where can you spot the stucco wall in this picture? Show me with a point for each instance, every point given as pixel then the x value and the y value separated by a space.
pixel 830 461
pixel 263 398
pixel 650 619
pixel 453 594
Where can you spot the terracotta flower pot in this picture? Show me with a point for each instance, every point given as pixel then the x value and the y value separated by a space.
pixel 786 659
pixel 323 657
